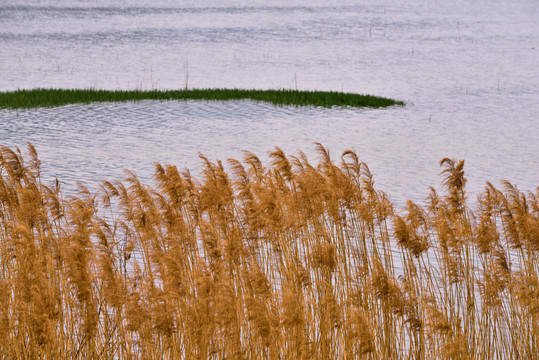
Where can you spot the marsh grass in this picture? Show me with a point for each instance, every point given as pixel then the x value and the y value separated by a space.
pixel 58 97
pixel 286 260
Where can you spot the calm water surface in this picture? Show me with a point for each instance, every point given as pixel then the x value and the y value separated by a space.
pixel 469 72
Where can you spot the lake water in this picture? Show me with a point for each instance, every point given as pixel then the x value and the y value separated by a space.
pixel 468 71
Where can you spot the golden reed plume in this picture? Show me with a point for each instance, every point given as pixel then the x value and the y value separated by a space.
pixel 288 261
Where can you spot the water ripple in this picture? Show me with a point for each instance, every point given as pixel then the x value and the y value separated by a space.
pixel 467 70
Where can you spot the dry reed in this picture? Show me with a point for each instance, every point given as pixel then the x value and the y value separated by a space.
pixel 293 260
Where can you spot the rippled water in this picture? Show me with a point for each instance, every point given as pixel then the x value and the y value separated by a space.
pixel 469 72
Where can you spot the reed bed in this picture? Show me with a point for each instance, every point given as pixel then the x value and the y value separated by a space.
pixel 287 260
pixel 57 97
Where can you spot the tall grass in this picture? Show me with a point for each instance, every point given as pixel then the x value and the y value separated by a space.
pixel 286 260
pixel 58 97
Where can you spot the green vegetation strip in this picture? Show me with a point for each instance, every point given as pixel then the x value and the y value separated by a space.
pixel 58 97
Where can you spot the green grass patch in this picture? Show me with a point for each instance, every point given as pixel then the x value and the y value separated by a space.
pixel 57 97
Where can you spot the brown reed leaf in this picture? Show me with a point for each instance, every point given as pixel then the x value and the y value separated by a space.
pixel 526 288
pixel 323 256
pixel 386 288
pixel 282 164
pixel 12 162
pixel 454 181
pixel 407 236
pixel 360 331
pixel 260 318
pixel 456 349
pixel 292 309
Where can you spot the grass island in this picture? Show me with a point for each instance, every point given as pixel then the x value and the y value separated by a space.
pixel 24 99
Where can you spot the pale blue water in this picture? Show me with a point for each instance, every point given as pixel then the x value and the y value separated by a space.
pixel 469 72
